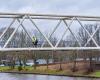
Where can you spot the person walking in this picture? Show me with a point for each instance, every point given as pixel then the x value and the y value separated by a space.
pixel 34 41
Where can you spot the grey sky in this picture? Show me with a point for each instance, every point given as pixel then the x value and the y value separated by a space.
pixel 66 7
pixel 84 7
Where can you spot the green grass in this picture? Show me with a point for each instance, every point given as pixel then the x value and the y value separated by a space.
pixel 96 74
pixel 4 68
pixel 44 70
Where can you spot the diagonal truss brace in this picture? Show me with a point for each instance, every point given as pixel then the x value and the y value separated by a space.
pixel 7 29
pixel 87 32
pixel 14 32
pixel 63 34
pixel 92 35
pixel 68 28
pixel 53 31
pixel 72 32
pixel 40 31
pixel 24 29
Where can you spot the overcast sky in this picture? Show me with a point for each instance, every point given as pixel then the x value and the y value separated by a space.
pixel 84 7
pixel 66 7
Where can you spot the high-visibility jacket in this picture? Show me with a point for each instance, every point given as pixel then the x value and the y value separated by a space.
pixel 34 39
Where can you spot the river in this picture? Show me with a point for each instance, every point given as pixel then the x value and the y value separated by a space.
pixel 11 76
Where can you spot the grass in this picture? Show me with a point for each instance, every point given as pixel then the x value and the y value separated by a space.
pixel 96 74
pixel 40 69
pixel 44 70
pixel 4 68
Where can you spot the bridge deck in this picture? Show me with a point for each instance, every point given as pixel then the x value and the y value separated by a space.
pixel 50 49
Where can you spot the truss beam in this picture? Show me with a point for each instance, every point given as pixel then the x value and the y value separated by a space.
pixel 50 49
pixel 49 16
pixel 20 17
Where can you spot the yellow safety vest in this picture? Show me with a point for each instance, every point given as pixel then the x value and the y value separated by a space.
pixel 33 39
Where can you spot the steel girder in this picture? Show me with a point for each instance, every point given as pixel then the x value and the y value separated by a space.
pixel 61 18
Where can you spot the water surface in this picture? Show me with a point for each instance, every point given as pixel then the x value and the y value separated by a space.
pixel 11 76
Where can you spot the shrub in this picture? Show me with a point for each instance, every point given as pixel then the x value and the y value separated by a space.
pixel 19 68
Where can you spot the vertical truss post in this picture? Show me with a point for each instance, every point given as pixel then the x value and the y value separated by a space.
pixel 40 31
pixel 7 29
pixel 14 32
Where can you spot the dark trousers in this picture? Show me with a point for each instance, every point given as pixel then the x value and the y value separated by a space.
pixel 35 44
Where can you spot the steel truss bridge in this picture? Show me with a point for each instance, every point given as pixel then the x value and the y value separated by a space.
pixel 20 17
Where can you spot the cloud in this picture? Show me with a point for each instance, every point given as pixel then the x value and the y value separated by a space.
pixel 26 9
pixel 64 7
pixel 51 6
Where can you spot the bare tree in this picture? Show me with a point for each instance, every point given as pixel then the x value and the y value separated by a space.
pixel 84 36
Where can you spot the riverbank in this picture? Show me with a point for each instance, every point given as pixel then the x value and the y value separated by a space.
pixel 52 74
pixel 42 71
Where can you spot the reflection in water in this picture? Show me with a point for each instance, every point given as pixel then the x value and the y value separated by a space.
pixel 8 76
